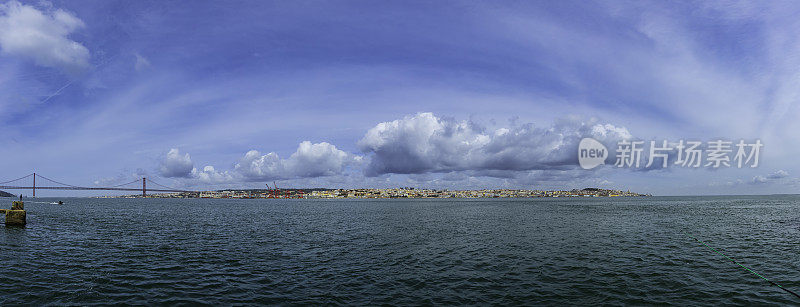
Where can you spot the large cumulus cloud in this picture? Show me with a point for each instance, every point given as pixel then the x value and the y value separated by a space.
pixel 210 175
pixel 176 165
pixel 426 147
pixel 426 143
pixel 310 160
pixel 42 37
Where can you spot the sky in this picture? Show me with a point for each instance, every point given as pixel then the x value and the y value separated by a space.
pixel 447 95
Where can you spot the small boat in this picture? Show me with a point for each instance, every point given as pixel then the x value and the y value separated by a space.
pixel 57 203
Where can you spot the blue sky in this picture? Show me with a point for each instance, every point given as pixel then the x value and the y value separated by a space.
pixel 439 94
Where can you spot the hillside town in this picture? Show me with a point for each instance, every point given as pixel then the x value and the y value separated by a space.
pixel 407 192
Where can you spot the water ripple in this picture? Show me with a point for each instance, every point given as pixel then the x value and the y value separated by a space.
pixel 403 252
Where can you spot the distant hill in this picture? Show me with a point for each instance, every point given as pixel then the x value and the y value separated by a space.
pixel 6 194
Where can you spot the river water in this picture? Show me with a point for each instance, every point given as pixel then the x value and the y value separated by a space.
pixel 403 252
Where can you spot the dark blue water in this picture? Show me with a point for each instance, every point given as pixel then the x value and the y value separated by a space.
pixel 403 252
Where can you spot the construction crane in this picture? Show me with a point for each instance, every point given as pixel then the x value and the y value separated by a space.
pixel 271 193
pixel 276 192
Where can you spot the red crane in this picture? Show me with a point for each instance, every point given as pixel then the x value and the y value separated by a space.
pixel 271 192
pixel 276 192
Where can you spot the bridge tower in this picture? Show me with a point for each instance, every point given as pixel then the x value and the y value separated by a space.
pixel 144 186
pixel 34 185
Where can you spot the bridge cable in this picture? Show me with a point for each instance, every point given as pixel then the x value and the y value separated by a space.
pixel 61 183
pixel 119 185
pixel 746 268
pixel 166 187
pixel 20 178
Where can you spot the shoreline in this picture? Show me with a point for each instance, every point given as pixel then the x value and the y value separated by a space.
pixel 388 194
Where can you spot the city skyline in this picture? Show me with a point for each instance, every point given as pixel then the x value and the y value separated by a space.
pixel 445 95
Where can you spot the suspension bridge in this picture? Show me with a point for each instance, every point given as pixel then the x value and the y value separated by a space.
pixel 57 185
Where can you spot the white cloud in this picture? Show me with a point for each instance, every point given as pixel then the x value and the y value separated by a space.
pixel 176 165
pixel 310 160
pixel 426 143
pixel 141 63
pixel 42 37
pixel 421 146
pixel 211 175
pixel 776 176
